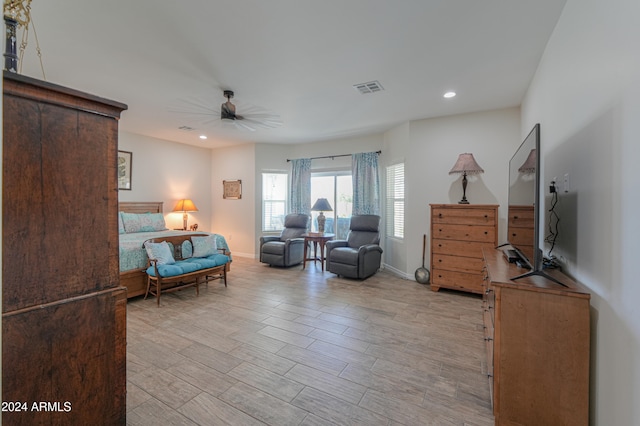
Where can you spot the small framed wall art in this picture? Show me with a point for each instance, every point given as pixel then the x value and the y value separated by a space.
pixel 232 189
pixel 124 170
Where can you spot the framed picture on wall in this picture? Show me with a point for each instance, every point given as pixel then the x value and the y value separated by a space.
pixel 232 189
pixel 124 170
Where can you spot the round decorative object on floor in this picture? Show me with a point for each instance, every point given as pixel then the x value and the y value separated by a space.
pixel 422 274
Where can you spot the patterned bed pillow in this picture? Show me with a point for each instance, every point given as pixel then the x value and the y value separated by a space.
pixel 152 222
pixel 131 222
pixel 120 224
pixel 160 252
pixel 204 246
pixel 145 222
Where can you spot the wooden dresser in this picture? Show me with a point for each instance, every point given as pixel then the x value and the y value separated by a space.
pixel 537 334
pixel 63 310
pixel 458 234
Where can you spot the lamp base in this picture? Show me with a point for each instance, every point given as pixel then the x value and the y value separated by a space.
pixel 321 221
pixel 185 219
pixel 464 189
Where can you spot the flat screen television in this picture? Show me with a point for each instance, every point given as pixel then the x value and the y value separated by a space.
pixel 524 215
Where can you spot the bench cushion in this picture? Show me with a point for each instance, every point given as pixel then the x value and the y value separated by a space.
pixel 187 266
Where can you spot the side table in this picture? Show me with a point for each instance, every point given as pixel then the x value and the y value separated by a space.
pixel 318 239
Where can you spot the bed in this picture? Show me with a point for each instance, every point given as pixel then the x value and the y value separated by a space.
pixel 133 258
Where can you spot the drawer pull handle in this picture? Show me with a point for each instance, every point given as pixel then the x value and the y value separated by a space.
pixel 515 217
pixel 486 232
pixel 488 339
pixel 439 214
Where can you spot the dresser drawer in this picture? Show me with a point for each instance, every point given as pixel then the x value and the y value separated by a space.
pixel 521 216
pixel 456 280
pixel 459 248
pixel 469 265
pixel 463 216
pixel 486 234
pixel 520 236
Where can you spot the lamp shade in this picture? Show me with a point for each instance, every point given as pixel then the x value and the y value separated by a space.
pixel 466 164
pixel 185 205
pixel 529 166
pixel 322 205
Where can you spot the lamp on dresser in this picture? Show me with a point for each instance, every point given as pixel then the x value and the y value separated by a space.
pixel 321 205
pixel 184 206
pixel 466 164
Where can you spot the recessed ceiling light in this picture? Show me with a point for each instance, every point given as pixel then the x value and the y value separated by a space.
pixel 449 95
pixel 203 137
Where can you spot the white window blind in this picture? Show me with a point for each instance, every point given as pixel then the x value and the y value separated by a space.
pixel 274 201
pixel 395 201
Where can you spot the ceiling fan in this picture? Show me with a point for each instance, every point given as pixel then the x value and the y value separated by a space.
pixel 251 119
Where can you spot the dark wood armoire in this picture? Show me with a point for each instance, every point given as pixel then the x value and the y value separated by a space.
pixel 63 310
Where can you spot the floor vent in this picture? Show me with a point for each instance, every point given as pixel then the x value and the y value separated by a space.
pixel 369 87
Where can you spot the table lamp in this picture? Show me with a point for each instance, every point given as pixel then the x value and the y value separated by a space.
pixel 184 206
pixel 466 164
pixel 321 205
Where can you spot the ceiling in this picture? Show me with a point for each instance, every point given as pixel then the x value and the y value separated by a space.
pixel 298 59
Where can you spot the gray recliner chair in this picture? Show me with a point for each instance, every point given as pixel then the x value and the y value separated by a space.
pixel 360 254
pixel 288 248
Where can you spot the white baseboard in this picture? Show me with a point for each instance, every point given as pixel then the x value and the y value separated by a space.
pixel 398 272
pixel 248 255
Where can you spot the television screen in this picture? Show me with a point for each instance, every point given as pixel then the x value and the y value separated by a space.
pixel 524 190
pixel 524 215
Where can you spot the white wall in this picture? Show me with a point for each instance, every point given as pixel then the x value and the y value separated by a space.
pixel 235 219
pixel 586 96
pixel 430 148
pixel 168 171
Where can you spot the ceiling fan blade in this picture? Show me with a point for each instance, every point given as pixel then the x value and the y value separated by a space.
pixel 263 123
pixel 244 126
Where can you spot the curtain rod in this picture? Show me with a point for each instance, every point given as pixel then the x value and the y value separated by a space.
pixel 333 156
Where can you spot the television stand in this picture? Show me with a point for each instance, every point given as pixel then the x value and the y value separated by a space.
pixel 537 338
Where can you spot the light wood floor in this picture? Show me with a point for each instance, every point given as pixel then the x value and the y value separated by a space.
pixel 293 347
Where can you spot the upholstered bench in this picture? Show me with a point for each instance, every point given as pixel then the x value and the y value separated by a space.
pixel 178 262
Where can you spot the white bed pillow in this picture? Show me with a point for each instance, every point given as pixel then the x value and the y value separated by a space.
pixel 204 246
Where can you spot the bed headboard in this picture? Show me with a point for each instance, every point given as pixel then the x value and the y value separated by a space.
pixel 140 206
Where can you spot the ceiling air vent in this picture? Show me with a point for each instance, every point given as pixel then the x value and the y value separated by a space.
pixel 369 87
pixel 186 128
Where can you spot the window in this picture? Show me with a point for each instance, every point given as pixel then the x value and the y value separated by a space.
pixel 395 200
pixel 337 188
pixel 274 201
